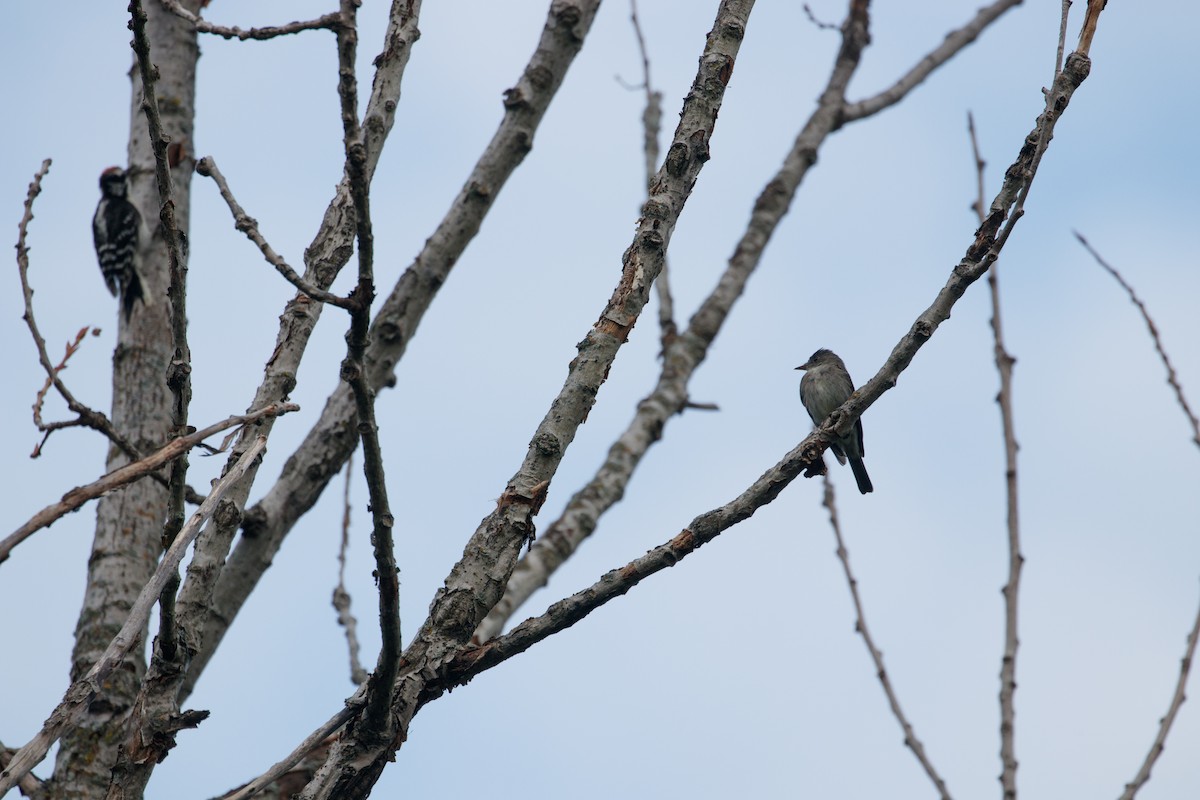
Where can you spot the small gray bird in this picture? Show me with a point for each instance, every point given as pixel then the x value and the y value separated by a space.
pixel 825 386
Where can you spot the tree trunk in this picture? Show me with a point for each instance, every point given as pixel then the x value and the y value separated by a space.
pixel 129 522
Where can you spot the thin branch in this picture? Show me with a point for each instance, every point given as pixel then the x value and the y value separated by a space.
pixel 327 21
pixel 249 226
pixel 341 598
pixel 30 785
pixel 1004 365
pixel 331 440
pixel 860 625
pixel 1062 36
pixel 1156 749
pixel 91 686
pixel 1172 377
pixel 179 372
pixel 435 662
pixel 329 251
pixel 376 717
pixel 128 473
pixel 682 357
pixel 615 583
pixel 983 251
pixel 651 125
pixel 1090 19
pixel 477 581
pixel 1164 724
pixel 95 420
pixel 311 742
pixel 40 398
pixel 954 42
pixel 824 26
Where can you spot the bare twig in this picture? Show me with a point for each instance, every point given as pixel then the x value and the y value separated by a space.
pixel 88 417
pixel 824 26
pixel 1156 749
pixel 83 691
pixel 48 427
pixel 1164 724
pixel 1172 377
pixel 249 226
pixel 954 42
pixel 1062 36
pixel 860 625
pixel 376 716
pixel 1004 365
pixel 341 598
pixel 328 21
pixel 311 742
pixel 681 358
pixel 651 125
pixel 128 473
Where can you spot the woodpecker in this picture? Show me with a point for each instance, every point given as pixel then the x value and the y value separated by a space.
pixel 116 229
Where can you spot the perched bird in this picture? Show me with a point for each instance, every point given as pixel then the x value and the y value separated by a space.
pixel 825 386
pixel 116 229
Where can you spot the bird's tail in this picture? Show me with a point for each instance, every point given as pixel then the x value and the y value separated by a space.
pixel 133 293
pixel 861 476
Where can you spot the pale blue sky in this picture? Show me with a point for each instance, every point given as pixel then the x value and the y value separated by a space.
pixel 736 673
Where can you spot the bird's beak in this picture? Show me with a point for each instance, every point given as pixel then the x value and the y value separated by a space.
pixel 803 366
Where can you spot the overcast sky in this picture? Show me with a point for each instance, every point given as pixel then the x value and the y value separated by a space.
pixel 738 672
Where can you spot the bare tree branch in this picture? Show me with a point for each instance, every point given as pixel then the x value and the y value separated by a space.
pixel 1090 19
pixel 681 358
pixel 329 21
pixel 328 253
pixel 313 741
pixel 423 678
pixel 476 583
pixel 95 420
pixel 1172 377
pixel 82 692
pixel 341 598
pixel 950 46
pixel 332 439
pixel 249 226
pixel 581 515
pixel 982 252
pixel 651 124
pixel 1164 724
pixel 375 719
pixel 129 473
pixel 860 625
pixel 1004 365
pixel 30 785
pixel 1156 749
pixel 1062 36
pixel 823 26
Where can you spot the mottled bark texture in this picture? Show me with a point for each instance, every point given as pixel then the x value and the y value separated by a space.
pixel 129 522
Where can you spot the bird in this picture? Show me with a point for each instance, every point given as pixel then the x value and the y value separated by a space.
pixel 825 386
pixel 116 231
